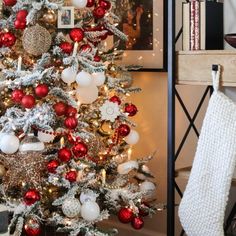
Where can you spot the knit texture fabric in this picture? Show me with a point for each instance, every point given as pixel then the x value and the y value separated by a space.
pixel 202 207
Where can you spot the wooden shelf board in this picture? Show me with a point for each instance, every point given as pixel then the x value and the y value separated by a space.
pixel 194 67
pixel 184 173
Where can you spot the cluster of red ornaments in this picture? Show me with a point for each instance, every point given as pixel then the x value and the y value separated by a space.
pixel 126 216
pixel 27 100
pixel 20 22
pixel 62 109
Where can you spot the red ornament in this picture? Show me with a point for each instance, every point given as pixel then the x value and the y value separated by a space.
pixel 66 47
pixel 123 130
pixel 77 34
pixel 41 90
pixel 104 36
pixel 21 15
pixel 105 4
pixel 80 149
pixel 72 139
pixel 90 3
pixel 85 47
pixel 17 95
pixel 28 101
pixel 71 176
pixel 20 24
pixel 137 222
pixel 97 58
pixel 9 3
pixel 131 109
pixel 8 39
pixel 32 227
pixel 60 108
pixel 99 12
pixel 143 210
pixel 64 154
pixel 52 166
pixel 115 99
pixel 71 111
pixel 31 196
pixel 71 122
pixel 125 215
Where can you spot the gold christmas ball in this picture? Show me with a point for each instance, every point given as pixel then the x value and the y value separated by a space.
pixel 36 40
pixel 50 17
pixel 2 171
pixel 112 70
pixel 105 128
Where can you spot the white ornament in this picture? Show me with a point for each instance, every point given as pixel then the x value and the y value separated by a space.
pixel 46 138
pixel 90 211
pixel 88 196
pixel 9 144
pixel 71 207
pixel 84 79
pixel 31 143
pixel 98 78
pixel 147 186
pixel 132 138
pixel 126 167
pixel 68 75
pixel 79 3
pixel 109 111
pixel 87 95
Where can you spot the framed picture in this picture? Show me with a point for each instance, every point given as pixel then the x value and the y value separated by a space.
pixel 143 22
pixel 66 18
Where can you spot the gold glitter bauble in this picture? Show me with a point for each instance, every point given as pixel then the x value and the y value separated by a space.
pixel 112 70
pixel 2 171
pixel 50 17
pixel 36 40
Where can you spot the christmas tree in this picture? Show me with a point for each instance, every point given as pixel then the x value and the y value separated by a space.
pixel 66 122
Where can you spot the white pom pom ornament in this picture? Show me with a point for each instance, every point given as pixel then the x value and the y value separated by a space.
pixel 46 137
pixel 79 3
pixel 132 138
pixel 87 95
pixel 9 144
pixel 71 207
pixel 84 79
pixel 90 211
pixel 68 75
pixel 98 78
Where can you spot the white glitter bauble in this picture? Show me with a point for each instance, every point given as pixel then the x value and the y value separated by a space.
pixel 79 3
pixel 147 186
pixel 132 138
pixel 98 78
pixel 84 79
pixel 31 143
pixel 68 75
pixel 90 211
pixel 71 207
pixel 88 196
pixel 87 95
pixel 46 138
pixel 9 144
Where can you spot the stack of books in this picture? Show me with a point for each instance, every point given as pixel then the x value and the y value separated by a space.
pixel 203 25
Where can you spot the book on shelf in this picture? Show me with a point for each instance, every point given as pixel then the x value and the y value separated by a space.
pixel 202 25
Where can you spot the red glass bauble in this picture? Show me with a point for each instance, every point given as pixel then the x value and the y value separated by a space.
pixel 60 108
pixel 97 58
pixel 77 34
pixel 41 90
pixel 80 149
pixel 9 3
pixel 28 101
pixel 125 215
pixel 17 95
pixel 131 109
pixel 123 130
pixel 72 139
pixel 105 4
pixel 71 111
pixel 85 47
pixel 64 154
pixel 32 227
pixel 71 176
pixel 99 12
pixel 137 222
pixel 115 99
pixel 21 15
pixel 20 24
pixel 8 39
pixel 90 3
pixel 52 166
pixel 71 122
pixel 66 47
pixel 104 36
pixel 31 196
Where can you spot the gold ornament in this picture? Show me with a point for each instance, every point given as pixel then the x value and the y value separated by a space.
pixel 36 40
pixel 50 17
pixel 2 171
pixel 23 168
pixel 105 128
pixel 112 70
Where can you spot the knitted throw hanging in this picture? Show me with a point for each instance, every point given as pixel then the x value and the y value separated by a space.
pixel 203 205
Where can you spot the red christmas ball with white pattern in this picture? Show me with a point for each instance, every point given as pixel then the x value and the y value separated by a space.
pixel 90 3
pixel 105 4
pixel 8 39
pixel 17 95
pixel 125 215
pixel 77 34
pixel 21 15
pixel 123 130
pixel 80 149
pixel 41 90
pixel 28 101
pixel 9 3
pixel 60 108
pixel 86 47
pixel 99 12
pixel 137 222
pixel 31 196
pixel 66 47
pixel 52 166
pixel 71 176
pixel 64 154
pixel 71 122
pixel 32 227
pixel 20 24
pixel 131 109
